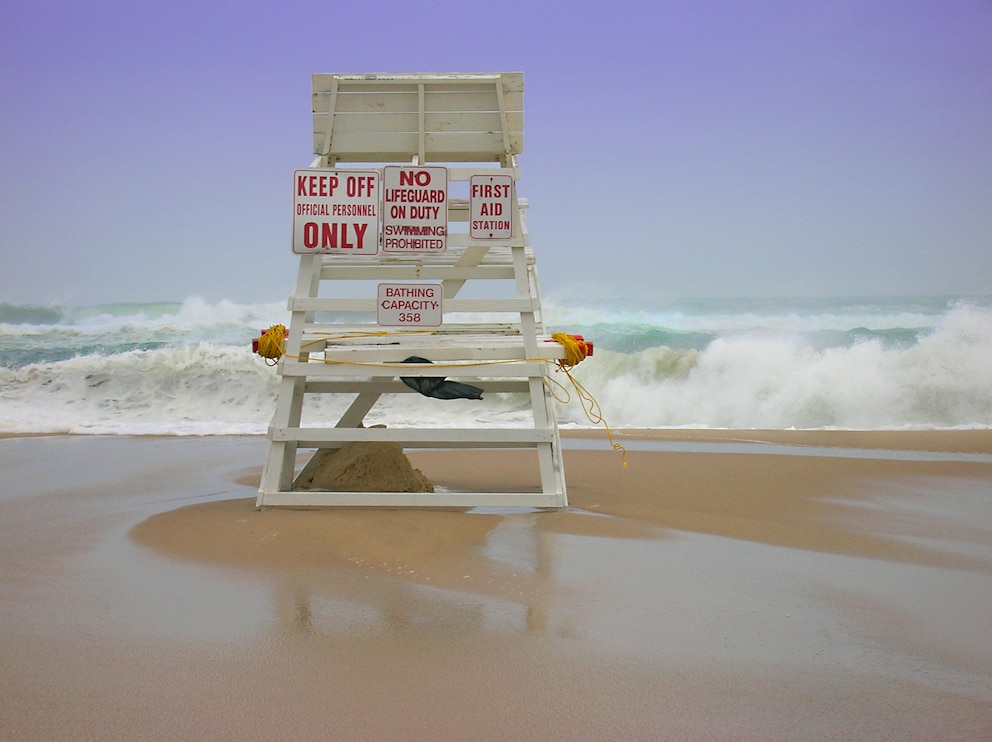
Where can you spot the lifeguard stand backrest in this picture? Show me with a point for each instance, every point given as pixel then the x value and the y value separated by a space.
pixel 418 118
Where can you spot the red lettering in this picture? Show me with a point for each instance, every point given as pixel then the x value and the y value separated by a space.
pixel 411 177
pixel 316 186
pixel 333 235
pixel 360 234
pixel 359 186
pixel 490 190
pixel 310 235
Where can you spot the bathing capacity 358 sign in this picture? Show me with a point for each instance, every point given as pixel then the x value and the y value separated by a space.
pixel 409 304
pixel 336 211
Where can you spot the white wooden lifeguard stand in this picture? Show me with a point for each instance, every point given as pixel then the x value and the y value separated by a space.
pixel 471 124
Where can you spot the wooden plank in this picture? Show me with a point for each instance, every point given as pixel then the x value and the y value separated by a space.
pixel 421 152
pixel 328 331
pixel 456 363
pixel 401 146
pixel 363 384
pixel 348 123
pixel 452 122
pixel 416 437
pixel 333 304
pixel 445 99
pixel 359 408
pixel 454 346
pixel 462 85
pixel 447 348
pixel 328 336
pixel 322 499
pixel 480 369
pixel 494 255
pixel 510 81
pixel 329 110
pixel 412 272
pixel 436 100
pixel 321 82
pixel 374 102
pixel 395 354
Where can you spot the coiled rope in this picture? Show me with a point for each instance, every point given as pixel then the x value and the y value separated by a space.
pixel 270 344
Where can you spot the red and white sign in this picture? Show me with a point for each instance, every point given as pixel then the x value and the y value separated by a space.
pixel 409 305
pixel 336 211
pixel 415 209
pixel 491 207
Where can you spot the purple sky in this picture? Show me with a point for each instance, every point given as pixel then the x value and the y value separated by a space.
pixel 689 148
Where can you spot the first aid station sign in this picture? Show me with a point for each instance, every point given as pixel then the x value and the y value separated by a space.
pixel 336 211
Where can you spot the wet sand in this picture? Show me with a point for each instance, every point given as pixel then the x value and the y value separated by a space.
pixel 739 585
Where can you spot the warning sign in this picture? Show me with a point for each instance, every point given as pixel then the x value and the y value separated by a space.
pixel 490 202
pixel 336 211
pixel 415 209
pixel 409 305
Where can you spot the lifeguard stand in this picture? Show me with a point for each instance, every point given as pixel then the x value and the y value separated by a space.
pixel 472 125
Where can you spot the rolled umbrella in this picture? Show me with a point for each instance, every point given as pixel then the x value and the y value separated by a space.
pixel 439 387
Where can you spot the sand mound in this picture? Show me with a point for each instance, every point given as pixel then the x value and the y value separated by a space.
pixel 364 467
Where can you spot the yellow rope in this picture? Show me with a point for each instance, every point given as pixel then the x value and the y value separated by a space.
pixel 575 353
pixel 271 347
pixel 270 344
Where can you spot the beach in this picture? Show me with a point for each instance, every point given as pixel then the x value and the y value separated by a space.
pixel 726 584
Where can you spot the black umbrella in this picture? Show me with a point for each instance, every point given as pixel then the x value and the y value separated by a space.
pixel 437 386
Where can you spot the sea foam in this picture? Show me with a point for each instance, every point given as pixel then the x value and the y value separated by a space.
pixel 187 368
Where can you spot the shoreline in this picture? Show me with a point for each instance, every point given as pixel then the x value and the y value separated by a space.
pixel 948 440
pixel 694 595
pixel 936 439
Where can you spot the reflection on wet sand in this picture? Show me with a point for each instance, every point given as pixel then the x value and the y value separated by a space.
pixel 362 569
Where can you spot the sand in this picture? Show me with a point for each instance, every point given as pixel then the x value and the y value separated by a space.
pixel 363 467
pixel 738 585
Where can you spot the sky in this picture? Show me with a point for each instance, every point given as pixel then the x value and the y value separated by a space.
pixel 677 148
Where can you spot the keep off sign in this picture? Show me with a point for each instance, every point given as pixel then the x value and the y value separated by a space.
pixel 415 209
pixel 409 305
pixel 336 211
pixel 490 204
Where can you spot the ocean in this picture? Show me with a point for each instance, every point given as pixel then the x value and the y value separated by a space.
pixel 187 368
